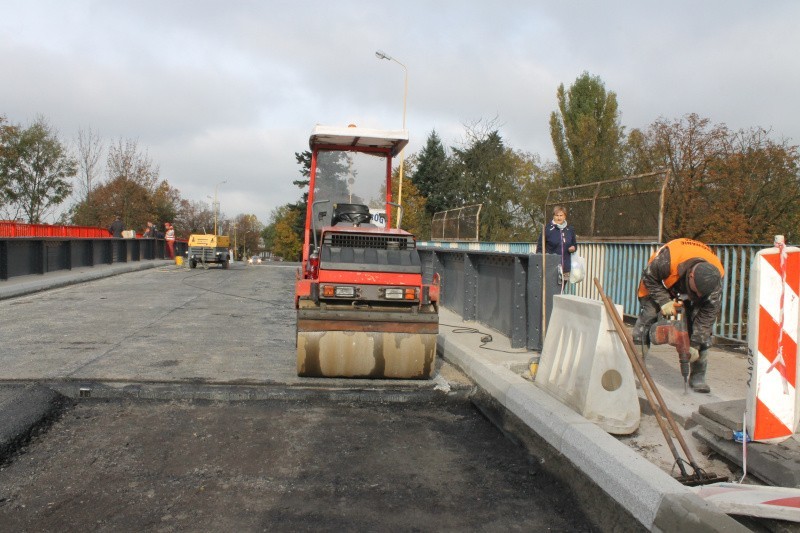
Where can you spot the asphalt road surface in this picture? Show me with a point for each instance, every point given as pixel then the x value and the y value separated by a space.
pixel 279 466
pixel 408 458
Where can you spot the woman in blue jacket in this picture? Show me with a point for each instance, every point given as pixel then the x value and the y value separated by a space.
pixel 559 239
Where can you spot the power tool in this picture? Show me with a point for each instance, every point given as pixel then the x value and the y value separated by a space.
pixel 674 331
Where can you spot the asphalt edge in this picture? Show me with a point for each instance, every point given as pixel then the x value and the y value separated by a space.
pixel 24 411
pixel 653 498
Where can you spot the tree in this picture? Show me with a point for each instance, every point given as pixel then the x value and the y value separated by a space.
pixel 758 186
pixel 132 191
pixel 35 170
pixel 415 217
pixel 90 150
pixel 135 173
pixel 280 236
pixel 248 234
pixel 304 160
pixel 194 217
pixel 533 181
pixel 125 160
pixel 732 187
pixel 432 176
pixel 491 174
pixel 688 147
pixel 119 196
pixel 8 132
pixel 586 133
pixel 165 205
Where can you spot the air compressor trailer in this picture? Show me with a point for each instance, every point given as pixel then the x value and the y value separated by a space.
pixel 206 249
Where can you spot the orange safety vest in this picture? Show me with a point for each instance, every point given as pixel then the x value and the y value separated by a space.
pixel 680 251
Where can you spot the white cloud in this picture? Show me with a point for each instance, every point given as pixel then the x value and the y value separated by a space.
pixel 232 90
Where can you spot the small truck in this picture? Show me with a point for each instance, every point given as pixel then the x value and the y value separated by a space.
pixel 205 249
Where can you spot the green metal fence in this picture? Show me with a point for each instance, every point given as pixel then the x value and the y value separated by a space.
pixel 618 267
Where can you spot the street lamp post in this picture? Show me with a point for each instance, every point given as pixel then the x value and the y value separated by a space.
pixel 382 55
pixel 216 204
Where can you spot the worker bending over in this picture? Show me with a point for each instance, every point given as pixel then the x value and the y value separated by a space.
pixel 688 271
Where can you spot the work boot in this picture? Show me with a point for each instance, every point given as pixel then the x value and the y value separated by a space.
pixel 697 374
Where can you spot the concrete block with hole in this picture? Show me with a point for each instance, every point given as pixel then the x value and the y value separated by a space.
pixel 584 364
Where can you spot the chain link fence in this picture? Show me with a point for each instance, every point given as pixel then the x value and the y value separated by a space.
pixel 460 224
pixel 623 209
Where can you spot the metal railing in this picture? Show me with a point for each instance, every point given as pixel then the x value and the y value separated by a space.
pixel 23 256
pixel 10 228
pixel 619 266
pixel 501 290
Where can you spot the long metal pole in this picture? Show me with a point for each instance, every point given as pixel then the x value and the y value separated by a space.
pixel 644 378
pixel 382 55
pixel 216 204
pixel 675 427
pixel 402 152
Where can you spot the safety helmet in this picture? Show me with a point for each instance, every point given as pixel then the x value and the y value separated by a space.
pixel 706 278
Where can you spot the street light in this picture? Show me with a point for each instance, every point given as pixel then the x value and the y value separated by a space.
pixel 382 55
pixel 216 204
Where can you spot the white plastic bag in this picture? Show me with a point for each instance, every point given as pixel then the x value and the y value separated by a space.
pixel 578 270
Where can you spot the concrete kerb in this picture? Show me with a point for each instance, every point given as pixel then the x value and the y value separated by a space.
pixel 652 497
pixel 23 285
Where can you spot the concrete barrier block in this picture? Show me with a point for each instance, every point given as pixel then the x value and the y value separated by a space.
pixel 583 364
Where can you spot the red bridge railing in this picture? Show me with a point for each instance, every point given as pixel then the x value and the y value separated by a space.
pixel 21 229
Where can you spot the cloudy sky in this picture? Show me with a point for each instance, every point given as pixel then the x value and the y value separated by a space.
pixel 230 90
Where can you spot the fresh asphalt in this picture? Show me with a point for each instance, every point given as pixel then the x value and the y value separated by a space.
pixel 110 346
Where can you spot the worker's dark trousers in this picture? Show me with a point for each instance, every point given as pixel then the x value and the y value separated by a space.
pixel 648 315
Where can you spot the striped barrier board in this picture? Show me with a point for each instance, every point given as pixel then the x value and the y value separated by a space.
pixel 773 404
pixel 753 500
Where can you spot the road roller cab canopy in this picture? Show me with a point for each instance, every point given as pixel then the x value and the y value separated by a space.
pixel 358 138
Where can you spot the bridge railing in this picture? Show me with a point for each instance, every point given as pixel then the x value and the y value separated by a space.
pixel 618 267
pixel 502 290
pixel 22 256
pixel 10 228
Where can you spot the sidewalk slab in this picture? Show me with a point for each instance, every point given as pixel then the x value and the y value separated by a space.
pixel 777 465
pixel 729 414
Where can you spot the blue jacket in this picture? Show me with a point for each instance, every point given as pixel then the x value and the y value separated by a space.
pixel 558 241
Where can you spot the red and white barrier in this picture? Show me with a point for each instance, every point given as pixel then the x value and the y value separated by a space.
pixel 773 404
pixel 753 500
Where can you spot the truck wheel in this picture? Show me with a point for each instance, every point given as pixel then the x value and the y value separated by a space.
pixel 193 263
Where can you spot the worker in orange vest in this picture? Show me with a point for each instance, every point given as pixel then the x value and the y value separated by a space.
pixel 688 271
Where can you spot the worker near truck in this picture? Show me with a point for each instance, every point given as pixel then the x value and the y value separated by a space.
pixel 687 271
